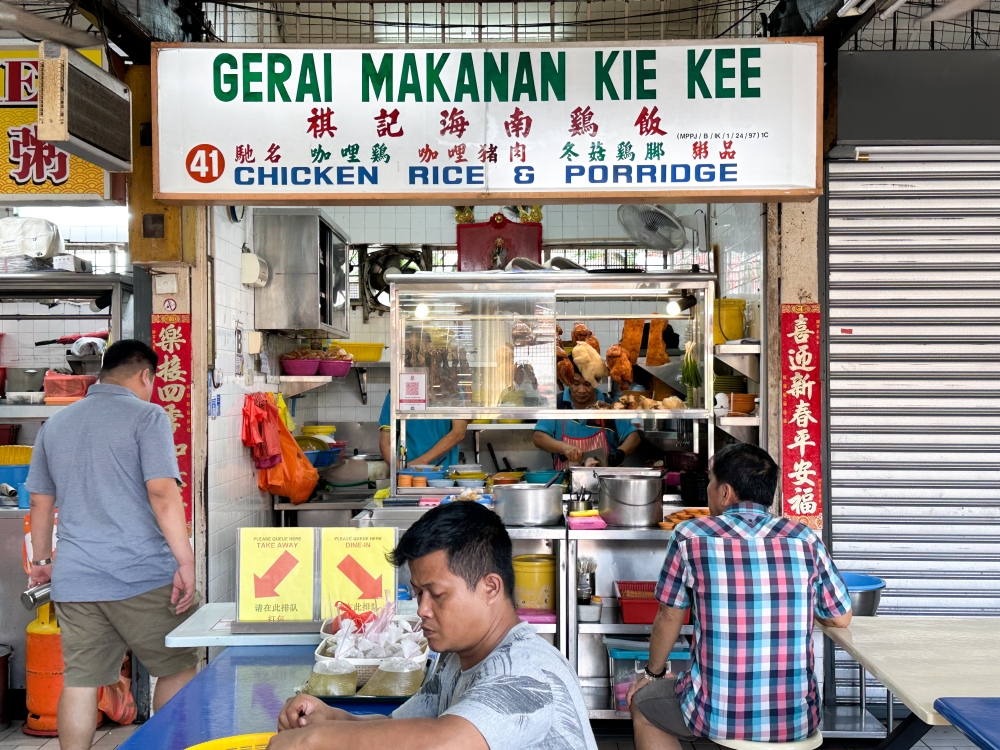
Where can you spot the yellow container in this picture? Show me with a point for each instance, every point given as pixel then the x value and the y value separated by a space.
pixel 15 455
pixel 730 314
pixel 535 581
pixel 237 742
pixel 363 351
pixel 318 429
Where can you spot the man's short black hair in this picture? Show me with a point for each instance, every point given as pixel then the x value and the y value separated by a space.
pixel 749 470
pixel 125 358
pixel 473 537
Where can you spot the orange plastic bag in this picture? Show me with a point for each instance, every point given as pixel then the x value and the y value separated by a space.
pixel 294 478
pixel 117 702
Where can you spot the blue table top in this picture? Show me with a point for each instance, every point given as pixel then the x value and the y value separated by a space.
pixel 977 718
pixel 240 692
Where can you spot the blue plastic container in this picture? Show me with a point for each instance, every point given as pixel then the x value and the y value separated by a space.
pixel 862 582
pixel 14 475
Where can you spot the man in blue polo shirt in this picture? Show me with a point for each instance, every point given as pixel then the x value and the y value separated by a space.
pixel 571 441
pixel 426 439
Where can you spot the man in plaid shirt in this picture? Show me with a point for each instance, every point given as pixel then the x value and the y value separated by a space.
pixel 755 583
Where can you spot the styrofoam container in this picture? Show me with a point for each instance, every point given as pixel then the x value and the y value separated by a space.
pixel 25 397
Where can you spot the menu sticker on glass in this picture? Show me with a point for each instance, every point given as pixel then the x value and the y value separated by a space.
pixel 412 391
pixel 276 573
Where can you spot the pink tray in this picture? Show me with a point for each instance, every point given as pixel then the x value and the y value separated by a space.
pixel 335 368
pixel 537 616
pixel 586 523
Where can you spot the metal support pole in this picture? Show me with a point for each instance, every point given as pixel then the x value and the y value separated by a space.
pixel 889 713
pixel 862 689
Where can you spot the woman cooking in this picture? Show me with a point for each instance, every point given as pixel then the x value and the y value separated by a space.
pixel 573 441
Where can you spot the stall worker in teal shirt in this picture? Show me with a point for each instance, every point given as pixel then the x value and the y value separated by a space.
pixel 427 440
pixel 571 441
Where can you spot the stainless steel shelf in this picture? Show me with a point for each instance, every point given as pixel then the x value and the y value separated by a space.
pixel 557 533
pixel 623 535
pixel 618 628
pixel 484 413
pixel 28 412
pixel 738 421
pixel 544 628
pixel 521 426
pixel 295 385
pixel 737 348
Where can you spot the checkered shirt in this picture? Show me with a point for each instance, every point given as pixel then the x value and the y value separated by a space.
pixel 754 583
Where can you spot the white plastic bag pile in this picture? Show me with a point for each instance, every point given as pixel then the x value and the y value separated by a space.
pixel 379 639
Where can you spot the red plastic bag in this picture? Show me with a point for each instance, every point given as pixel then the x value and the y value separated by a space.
pixel 260 430
pixel 294 478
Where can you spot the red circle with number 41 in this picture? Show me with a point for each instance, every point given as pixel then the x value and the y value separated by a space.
pixel 205 163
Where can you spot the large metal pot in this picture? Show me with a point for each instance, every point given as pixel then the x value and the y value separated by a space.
pixel 634 499
pixel 528 504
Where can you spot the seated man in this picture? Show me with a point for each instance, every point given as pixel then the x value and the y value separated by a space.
pixel 755 583
pixel 500 686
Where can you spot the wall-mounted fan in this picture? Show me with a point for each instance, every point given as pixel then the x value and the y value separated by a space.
pixel 659 229
pixel 375 261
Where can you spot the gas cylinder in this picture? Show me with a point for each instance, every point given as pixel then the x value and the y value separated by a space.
pixel 44 673
pixel 44 667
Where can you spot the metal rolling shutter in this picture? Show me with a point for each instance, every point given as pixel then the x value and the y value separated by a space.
pixel 914 381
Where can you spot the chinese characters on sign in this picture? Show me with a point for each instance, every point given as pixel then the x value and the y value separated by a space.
pixel 172 391
pixel 31 167
pixel 644 118
pixel 801 411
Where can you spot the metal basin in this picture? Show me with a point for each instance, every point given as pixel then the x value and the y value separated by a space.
pixel 631 500
pixel 865 591
pixel 528 504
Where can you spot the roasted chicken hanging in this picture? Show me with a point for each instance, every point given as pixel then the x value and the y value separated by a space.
pixel 593 343
pixel 589 363
pixel 619 365
pixel 580 333
pixel 564 366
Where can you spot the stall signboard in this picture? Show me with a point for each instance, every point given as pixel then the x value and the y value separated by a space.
pixel 355 569
pixel 801 412
pixel 34 171
pixel 487 123
pixel 172 391
pixel 276 573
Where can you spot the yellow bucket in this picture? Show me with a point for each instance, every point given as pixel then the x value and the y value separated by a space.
pixel 237 742
pixel 535 581
pixel 729 316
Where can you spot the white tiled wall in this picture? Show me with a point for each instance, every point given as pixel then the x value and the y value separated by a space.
pixel 738 230
pixel 233 498
pixel 436 224
pixel 17 348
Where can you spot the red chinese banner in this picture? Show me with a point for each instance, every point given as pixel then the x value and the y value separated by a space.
pixel 172 391
pixel 801 412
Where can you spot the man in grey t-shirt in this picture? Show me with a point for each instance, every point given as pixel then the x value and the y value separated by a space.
pixel 123 563
pixel 500 687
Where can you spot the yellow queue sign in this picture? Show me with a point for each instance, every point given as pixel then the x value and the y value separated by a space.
pixel 276 574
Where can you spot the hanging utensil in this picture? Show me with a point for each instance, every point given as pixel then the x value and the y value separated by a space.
pixel 552 481
pixel 493 456
pixel 507 464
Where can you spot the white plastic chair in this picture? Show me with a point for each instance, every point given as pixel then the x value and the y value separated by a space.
pixel 809 743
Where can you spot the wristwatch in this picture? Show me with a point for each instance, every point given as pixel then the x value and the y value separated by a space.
pixel 40 563
pixel 652 676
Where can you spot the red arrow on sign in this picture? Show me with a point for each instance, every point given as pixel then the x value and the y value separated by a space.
pixel 371 588
pixel 265 585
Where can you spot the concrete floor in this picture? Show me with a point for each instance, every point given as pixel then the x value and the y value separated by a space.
pixel 939 738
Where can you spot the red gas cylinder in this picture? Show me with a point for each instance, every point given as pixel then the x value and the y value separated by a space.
pixel 44 673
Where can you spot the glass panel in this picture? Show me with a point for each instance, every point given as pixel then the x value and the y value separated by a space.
pixel 652 327
pixel 481 351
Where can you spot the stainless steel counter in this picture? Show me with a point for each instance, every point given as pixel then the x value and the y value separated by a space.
pixel 13 580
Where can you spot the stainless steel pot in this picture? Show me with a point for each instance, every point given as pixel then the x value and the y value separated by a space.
pixel 634 499
pixel 865 603
pixel 528 504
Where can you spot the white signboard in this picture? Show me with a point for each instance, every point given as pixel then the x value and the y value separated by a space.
pixel 467 124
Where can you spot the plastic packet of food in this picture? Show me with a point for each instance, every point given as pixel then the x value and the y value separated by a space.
pixel 410 650
pixel 394 676
pixel 333 677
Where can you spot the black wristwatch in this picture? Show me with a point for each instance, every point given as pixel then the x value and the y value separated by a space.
pixel 654 677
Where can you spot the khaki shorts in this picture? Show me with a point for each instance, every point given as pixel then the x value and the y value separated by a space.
pixel 658 703
pixel 96 634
